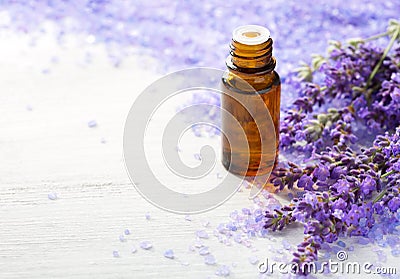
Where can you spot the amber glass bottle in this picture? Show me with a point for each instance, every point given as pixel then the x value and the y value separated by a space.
pixel 250 63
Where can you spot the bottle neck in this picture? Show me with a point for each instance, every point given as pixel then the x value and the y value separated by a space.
pixel 251 58
pixel 256 57
pixel 253 64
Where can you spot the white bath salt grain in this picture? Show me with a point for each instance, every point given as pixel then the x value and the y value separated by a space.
pixel 133 250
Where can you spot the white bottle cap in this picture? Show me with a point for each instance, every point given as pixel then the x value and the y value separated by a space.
pixel 251 34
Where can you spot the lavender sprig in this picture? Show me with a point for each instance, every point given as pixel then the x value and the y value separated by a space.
pixel 348 190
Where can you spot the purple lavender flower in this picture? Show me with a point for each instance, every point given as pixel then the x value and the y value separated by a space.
pixel 321 172
pixel 368 185
pixel 305 182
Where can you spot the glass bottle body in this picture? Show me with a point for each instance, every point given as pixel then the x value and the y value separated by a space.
pixel 250 157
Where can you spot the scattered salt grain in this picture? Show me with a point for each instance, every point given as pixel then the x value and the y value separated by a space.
pixel 198 244
pixel 204 251
pixel 286 244
pixel 223 271
pixel 210 260
pixel 341 244
pixel 363 241
pixel 185 263
pixel 253 259
pixel 169 254
pixel 127 232
pixel 52 196
pixel 146 245
pixel 148 216
pixel 188 218
pixel 122 238
pixel 92 124
pixel 202 234
pixel 115 254
pixel 396 253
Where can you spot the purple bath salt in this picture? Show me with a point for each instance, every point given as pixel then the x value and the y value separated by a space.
pixel 253 260
pixel 204 251
pixel 341 244
pixel 363 241
pixel 184 263
pixel 146 245
pixel 223 271
pixel 52 196
pixel 188 218
pixel 202 234
pixel 396 253
pixel 127 232
pixel 210 260
pixel 115 254
pixel 92 124
pixel 206 223
pixel 198 244
pixel 286 244
pixel 169 254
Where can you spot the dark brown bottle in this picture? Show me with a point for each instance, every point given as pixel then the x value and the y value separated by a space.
pixel 251 82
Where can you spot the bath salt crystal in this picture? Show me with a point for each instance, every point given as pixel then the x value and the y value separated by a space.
pixel 206 224
pixel 204 251
pixel 198 244
pixel 188 218
pixel 396 253
pixel 341 244
pixel 148 216
pixel 146 245
pixel 202 234
pixel 210 260
pixel 127 232
pixel 253 259
pixel 92 124
pixel 52 196
pixel 185 263
pixel 133 250
pixel 169 254
pixel 191 248
pixel 286 244
pixel 122 238
pixel 115 254
pixel 223 271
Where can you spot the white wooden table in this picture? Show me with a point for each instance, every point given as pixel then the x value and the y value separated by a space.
pixel 47 147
